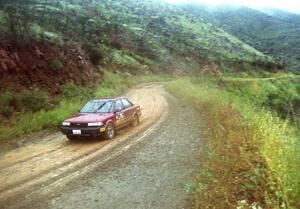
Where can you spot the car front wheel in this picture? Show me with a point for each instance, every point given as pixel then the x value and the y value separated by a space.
pixel 110 131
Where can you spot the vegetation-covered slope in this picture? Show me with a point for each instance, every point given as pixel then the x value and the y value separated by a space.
pixel 281 14
pixel 47 47
pixel 273 32
pixel 133 35
pixel 250 153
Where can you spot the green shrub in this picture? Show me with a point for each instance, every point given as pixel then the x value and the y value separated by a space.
pixel 6 111
pixel 55 64
pixel 74 92
pixel 6 98
pixel 36 31
pixel 126 61
pixel 116 81
pixel 95 54
pixel 52 37
pixel 35 100
pixel 16 103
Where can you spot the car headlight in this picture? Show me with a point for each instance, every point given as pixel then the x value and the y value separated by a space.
pixel 95 124
pixel 66 123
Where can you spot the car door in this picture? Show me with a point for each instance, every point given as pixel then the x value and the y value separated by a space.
pixel 120 117
pixel 128 110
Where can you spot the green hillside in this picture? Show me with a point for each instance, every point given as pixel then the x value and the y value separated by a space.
pixel 283 15
pixel 131 35
pixel 273 32
pixel 57 54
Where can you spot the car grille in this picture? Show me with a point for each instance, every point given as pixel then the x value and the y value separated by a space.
pixel 79 125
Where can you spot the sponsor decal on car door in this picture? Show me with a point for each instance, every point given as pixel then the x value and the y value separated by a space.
pixel 128 110
pixel 120 113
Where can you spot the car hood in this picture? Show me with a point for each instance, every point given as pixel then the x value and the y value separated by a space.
pixel 89 117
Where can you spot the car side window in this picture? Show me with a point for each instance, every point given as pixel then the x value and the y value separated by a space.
pixel 126 103
pixel 118 106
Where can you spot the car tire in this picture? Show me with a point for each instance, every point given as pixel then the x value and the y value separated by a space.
pixel 135 120
pixel 110 131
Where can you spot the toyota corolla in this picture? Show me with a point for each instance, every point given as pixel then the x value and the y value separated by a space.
pixel 102 117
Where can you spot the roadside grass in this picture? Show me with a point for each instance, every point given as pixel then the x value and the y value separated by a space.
pixel 280 94
pixel 113 84
pixel 251 155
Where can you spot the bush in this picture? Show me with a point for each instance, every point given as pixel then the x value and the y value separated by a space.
pixel 36 31
pixel 73 92
pixel 6 98
pixel 55 64
pixel 52 37
pixel 126 61
pixel 95 54
pixel 16 103
pixel 35 100
pixel 6 111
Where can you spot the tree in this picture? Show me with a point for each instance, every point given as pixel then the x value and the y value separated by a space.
pixel 18 16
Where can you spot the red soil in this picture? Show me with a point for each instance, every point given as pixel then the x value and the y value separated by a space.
pixel 28 64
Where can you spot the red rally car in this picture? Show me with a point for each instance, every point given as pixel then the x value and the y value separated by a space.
pixel 102 116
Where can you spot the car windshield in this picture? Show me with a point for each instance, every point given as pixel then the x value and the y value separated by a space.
pixel 97 107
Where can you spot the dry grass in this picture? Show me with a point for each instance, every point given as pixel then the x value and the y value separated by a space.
pixel 250 156
pixel 235 173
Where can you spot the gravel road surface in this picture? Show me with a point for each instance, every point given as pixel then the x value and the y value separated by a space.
pixel 144 167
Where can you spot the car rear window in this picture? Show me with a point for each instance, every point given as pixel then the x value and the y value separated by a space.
pixel 126 103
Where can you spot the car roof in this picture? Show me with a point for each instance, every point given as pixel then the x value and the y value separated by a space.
pixel 109 98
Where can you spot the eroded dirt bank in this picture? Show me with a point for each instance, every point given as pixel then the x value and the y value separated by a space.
pixel 144 167
pixel 43 65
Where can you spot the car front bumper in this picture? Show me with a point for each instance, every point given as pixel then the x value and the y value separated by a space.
pixel 84 131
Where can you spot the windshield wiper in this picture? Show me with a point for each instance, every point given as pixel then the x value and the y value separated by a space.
pixel 100 107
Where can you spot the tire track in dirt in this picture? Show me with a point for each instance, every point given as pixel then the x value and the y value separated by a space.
pixel 36 165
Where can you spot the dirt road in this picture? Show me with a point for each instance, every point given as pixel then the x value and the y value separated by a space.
pixel 143 167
